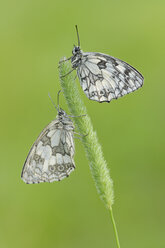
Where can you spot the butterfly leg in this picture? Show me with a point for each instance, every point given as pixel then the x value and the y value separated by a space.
pixel 68 73
pixel 80 134
pixel 64 60
pixel 76 116
pixel 75 77
pixel 77 138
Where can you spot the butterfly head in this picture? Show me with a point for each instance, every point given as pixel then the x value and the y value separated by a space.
pixel 61 113
pixel 76 50
pixel 76 58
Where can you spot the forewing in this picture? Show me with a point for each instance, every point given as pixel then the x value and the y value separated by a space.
pixel 104 78
pixel 51 156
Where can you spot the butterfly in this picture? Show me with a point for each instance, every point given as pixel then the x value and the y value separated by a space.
pixel 51 156
pixel 103 77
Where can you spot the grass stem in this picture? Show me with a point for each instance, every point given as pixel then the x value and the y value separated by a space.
pixel 93 149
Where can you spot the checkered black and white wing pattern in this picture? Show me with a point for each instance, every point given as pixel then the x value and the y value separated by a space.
pixel 51 157
pixel 104 78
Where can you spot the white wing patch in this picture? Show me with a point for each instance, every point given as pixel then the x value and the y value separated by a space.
pixel 51 157
pixel 104 78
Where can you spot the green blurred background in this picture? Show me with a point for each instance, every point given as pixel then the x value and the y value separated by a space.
pixel 34 36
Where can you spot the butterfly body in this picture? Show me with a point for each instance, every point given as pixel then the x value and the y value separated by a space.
pixel 103 77
pixel 51 156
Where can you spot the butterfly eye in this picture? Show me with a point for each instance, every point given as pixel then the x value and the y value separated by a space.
pixel 61 112
pixel 75 50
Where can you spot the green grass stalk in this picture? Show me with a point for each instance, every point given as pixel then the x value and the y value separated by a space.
pixel 93 150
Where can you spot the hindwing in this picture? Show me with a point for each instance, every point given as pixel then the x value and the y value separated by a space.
pixel 51 156
pixel 104 78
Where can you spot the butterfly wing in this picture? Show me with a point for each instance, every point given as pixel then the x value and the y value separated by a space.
pixel 51 156
pixel 104 78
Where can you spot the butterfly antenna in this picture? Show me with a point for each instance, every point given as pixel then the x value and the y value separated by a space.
pixel 58 100
pixel 77 35
pixel 53 102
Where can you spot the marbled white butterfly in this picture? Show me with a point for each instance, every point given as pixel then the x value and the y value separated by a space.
pixel 51 156
pixel 103 77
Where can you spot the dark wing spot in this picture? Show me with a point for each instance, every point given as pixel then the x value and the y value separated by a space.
pixel 51 168
pixel 114 62
pixel 46 140
pixel 127 71
pixel 102 64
